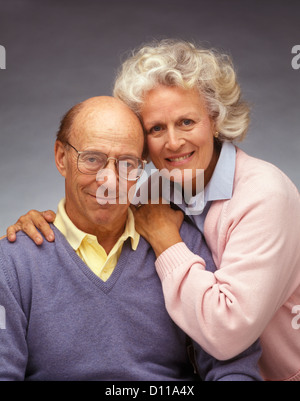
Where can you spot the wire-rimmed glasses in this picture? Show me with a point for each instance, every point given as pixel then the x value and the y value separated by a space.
pixel 128 167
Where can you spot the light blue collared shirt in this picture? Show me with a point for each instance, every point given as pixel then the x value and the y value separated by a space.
pixel 219 187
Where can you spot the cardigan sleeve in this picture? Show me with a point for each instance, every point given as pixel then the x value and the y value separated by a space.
pixel 255 244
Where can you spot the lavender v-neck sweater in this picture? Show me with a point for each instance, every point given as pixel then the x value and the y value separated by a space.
pixel 64 323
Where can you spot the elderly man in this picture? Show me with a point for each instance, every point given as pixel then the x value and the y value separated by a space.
pixel 89 306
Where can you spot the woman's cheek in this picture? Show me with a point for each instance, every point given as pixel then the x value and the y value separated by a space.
pixel 154 149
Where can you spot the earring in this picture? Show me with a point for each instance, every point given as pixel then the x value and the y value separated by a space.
pixel 216 135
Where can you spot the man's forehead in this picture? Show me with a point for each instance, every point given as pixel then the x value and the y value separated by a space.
pixel 107 117
pixel 109 123
pixel 93 128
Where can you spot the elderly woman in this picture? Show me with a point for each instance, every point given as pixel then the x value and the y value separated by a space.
pixel 189 102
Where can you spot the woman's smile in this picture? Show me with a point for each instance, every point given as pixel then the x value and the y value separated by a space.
pixel 180 159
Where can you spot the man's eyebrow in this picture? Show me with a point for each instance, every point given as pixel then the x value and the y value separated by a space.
pixel 117 155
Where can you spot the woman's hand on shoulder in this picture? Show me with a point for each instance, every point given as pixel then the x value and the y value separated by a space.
pixel 159 224
pixel 30 222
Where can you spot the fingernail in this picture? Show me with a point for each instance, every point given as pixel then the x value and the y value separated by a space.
pixel 50 237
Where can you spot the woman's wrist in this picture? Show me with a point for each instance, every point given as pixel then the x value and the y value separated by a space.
pixel 163 240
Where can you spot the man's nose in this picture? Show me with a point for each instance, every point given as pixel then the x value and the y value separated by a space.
pixel 108 173
pixel 111 164
pixel 111 161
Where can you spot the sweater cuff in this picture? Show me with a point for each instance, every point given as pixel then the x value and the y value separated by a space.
pixel 173 257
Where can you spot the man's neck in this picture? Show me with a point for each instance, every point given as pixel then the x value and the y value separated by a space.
pixel 107 233
pixel 107 239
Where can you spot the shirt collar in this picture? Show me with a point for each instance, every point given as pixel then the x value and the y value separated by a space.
pixel 130 231
pixel 220 185
pixel 75 236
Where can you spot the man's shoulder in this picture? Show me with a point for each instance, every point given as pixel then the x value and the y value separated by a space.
pixel 24 248
pixel 189 228
pixel 191 235
pixel 22 240
pixel 22 260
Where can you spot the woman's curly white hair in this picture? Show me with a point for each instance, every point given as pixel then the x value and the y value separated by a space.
pixel 178 63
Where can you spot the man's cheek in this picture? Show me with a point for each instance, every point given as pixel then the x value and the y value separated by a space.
pixel 107 190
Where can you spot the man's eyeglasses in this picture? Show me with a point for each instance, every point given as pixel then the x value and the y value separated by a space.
pixel 128 167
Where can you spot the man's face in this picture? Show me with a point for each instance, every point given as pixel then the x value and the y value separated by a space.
pixel 109 127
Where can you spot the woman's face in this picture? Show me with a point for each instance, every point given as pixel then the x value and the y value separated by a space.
pixel 180 133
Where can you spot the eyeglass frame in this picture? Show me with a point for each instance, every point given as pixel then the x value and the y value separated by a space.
pixel 116 159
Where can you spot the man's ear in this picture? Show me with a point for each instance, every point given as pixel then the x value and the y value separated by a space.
pixel 60 157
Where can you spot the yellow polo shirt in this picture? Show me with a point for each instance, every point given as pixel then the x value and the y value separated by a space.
pixel 87 247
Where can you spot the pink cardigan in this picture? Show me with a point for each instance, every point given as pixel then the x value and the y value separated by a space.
pixel 255 241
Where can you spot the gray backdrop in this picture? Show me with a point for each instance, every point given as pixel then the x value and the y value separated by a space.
pixel 60 52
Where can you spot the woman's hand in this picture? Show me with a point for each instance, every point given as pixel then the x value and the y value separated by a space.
pixel 29 224
pixel 159 225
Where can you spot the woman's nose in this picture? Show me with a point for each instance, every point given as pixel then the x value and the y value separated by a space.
pixel 174 140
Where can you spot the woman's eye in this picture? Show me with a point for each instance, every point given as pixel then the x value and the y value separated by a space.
pixel 157 128
pixel 186 122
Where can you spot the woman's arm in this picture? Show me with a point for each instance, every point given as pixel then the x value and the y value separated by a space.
pixel 30 222
pixel 254 239
pixel 255 245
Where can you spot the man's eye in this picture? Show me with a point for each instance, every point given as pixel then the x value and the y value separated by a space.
pixel 128 164
pixel 91 159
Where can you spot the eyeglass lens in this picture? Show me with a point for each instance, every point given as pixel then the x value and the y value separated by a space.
pixel 128 167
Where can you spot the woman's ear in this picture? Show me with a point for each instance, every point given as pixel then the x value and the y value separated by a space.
pixel 60 157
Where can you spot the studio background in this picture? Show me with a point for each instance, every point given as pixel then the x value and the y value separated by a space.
pixel 60 52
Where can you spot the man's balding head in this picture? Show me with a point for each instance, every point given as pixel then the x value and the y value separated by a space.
pixel 93 110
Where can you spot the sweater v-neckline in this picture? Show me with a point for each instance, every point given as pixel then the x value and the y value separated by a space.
pixel 105 286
